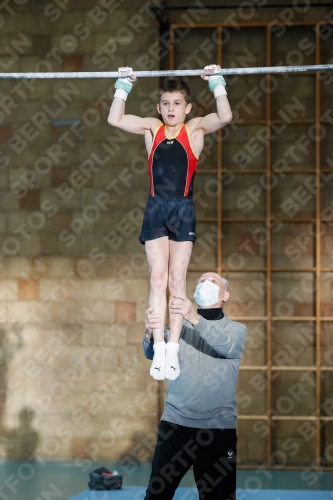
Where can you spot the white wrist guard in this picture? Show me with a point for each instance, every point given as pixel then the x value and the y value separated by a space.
pixel 122 94
pixel 219 90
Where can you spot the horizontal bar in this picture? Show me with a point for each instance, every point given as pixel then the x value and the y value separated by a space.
pixel 171 72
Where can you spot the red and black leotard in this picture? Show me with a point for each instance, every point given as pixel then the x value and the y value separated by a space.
pixel 171 165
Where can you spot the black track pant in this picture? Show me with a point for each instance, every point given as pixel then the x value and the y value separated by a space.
pixel 212 452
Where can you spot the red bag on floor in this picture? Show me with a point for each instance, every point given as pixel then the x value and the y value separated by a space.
pixel 103 479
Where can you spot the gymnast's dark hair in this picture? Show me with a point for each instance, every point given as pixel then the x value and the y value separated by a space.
pixel 175 84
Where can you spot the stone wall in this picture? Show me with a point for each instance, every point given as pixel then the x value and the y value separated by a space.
pixel 73 275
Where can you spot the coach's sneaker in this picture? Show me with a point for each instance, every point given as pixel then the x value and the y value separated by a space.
pixel 157 369
pixel 171 361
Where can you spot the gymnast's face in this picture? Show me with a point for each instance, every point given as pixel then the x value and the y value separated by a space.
pixel 173 108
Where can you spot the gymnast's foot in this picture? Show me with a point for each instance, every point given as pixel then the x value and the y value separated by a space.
pixel 171 361
pixel 157 369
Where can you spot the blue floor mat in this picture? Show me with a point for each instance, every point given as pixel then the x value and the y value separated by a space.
pixel 138 493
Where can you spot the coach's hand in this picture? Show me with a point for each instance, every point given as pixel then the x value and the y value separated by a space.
pixel 183 306
pixel 152 321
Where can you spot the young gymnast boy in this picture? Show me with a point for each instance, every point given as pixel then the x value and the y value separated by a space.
pixel 168 230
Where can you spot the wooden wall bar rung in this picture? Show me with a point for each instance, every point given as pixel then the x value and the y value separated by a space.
pixel 278 318
pixel 304 121
pixel 261 219
pixel 250 25
pixel 262 171
pixel 280 368
pixel 276 417
pixel 286 467
pixel 207 171
pixel 288 368
pixel 259 269
pixel 294 417
pixel 206 219
pixel 273 269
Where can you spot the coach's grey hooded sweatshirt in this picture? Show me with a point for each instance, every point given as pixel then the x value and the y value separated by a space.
pixel 203 396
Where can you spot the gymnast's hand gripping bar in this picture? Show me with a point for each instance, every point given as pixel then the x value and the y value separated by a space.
pixel 182 72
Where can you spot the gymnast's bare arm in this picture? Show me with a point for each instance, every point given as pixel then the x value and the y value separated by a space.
pixel 201 126
pixel 214 121
pixel 130 123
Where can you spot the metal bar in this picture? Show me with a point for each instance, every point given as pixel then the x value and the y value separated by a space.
pixel 169 72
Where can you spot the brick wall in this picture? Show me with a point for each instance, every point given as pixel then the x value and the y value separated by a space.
pixel 73 276
pixel 73 282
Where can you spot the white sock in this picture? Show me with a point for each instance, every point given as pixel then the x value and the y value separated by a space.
pixel 171 361
pixel 157 369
